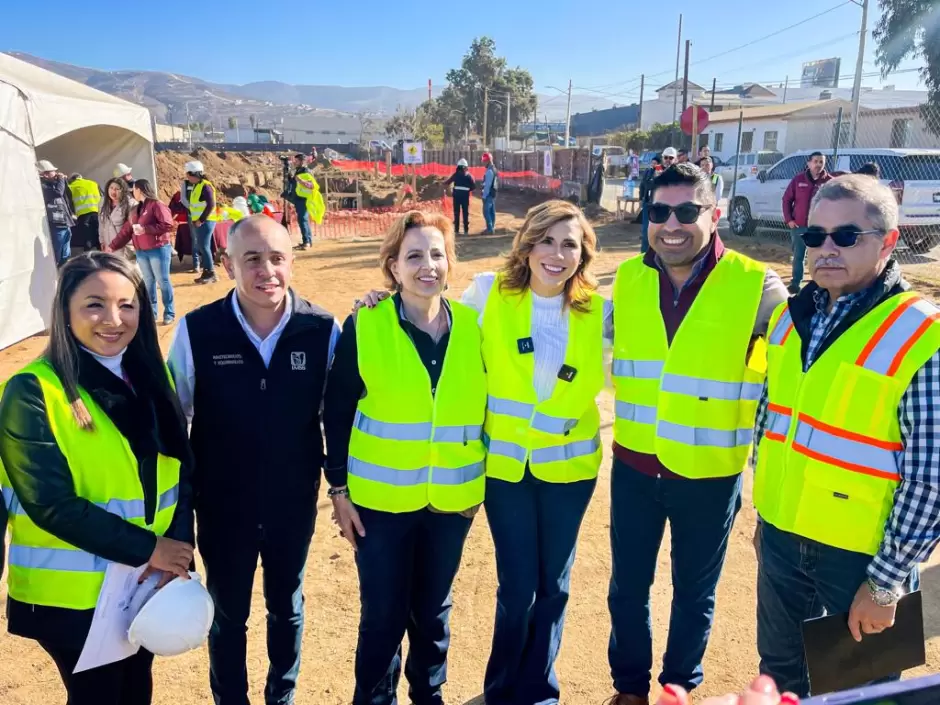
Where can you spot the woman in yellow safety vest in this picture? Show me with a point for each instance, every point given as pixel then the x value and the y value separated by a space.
pixel 403 416
pixel 95 470
pixel 543 328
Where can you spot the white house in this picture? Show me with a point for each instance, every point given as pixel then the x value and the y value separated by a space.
pixel 668 103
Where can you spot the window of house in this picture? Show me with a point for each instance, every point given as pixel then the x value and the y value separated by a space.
pixel 719 141
pixel 747 141
pixel 901 132
pixel 770 140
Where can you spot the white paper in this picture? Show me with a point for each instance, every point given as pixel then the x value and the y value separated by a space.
pixel 120 600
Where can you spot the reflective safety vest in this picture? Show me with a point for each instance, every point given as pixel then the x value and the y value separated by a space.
pixel 691 403
pixel 828 462
pixel 229 213
pixel 85 196
pixel 308 189
pixel 559 438
pixel 198 206
pixel 45 570
pixel 411 445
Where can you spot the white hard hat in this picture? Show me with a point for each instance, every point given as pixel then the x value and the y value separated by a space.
pixel 670 152
pixel 122 170
pixel 175 620
pixel 45 165
pixel 461 162
pixel 240 204
pixel 193 167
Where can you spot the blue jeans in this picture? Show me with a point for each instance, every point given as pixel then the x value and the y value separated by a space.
pixel 202 243
pixel 230 554
pixel 155 267
pixel 489 213
pixel 701 514
pixel 303 221
pixel 61 244
pixel 645 232
pixel 407 564
pixel 799 257
pixel 535 527
pixel 799 579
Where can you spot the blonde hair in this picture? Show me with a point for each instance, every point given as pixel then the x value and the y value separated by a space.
pixel 516 273
pixel 391 245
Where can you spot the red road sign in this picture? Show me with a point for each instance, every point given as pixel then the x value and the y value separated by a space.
pixel 685 121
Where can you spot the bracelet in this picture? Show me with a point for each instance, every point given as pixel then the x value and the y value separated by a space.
pixel 337 492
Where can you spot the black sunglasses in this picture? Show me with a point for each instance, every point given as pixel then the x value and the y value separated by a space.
pixel 686 213
pixel 843 236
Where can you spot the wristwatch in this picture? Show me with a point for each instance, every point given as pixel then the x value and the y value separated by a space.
pixel 337 492
pixel 882 596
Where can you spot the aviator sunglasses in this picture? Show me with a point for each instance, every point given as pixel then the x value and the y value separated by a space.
pixel 842 236
pixel 686 213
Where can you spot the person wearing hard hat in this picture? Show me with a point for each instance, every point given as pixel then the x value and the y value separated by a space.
pixel 122 171
pixel 60 214
pixel 407 391
pixel 463 186
pixel 86 199
pixel 260 347
pixel 95 469
pixel 203 216
pixel 490 188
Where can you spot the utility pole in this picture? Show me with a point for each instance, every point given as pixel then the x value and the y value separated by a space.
pixel 508 124
pixel 711 103
pixel 568 116
pixel 486 105
pixel 675 95
pixel 786 85
pixel 189 127
pixel 685 76
pixel 857 87
pixel 639 117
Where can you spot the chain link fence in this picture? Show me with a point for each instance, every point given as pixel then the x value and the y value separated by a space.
pixel 771 145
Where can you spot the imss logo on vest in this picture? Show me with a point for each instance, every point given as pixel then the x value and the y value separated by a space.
pixel 298 361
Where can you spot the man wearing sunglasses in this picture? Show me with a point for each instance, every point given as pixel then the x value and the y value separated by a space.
pixel 847 481
pixel 669 157
pixel 688 370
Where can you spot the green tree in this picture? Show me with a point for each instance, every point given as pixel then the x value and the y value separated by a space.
pixel 911 28
pixel 253 120
pixel 401 125
pixel 232 123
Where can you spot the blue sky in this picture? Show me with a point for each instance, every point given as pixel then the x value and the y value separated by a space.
pixel 373 43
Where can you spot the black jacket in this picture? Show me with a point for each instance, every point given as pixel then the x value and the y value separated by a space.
pixel 149 419
pixel 58 198
pixel 462 179
pixel 256 430
pixel 803 306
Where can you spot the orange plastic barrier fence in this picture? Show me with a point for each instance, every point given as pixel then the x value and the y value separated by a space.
pixel 368 222
pixel 525 179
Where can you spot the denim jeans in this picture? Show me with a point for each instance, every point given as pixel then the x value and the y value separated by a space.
pixel 202 244
pixel 645 232
pixel 535 526
pixel 799 257
pixel 489 213
pixel 700 514
pixel 155 268
pixel 303 221
pixel 799 579
pixel 407 564
pixel 230 554
pixel 61 245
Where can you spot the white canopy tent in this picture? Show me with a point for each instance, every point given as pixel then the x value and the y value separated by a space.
pixel 77 128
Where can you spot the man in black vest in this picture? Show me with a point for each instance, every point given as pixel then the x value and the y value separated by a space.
pixel 250 370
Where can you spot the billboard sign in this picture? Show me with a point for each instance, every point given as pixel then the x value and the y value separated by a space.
pixel 823 73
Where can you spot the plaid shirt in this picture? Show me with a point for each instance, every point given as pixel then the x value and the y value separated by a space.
pixel 913 528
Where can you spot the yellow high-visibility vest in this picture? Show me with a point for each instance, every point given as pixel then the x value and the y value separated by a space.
pixel 691 403
pixel 559 437
pixel 307 188
pixel 828 463
pixel 45 570
pixel 85 196
pixel 413 446
pixel 196 206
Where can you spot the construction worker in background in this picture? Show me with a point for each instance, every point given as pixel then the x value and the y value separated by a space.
pixel 463 186
pixel 490 189
pixel 60 213
pixel 303 191
pixel 203 216
pixel 646 195
pixel 718 184
pixel 847 481
pixel 86 198
pixel 260 347
pixel 686 396
pixel 403 416
pixel 122 171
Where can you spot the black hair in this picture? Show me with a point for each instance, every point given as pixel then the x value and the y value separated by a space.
pixel 686 174
pixel 658 159
pixel 870 169
pixel 814 154
pixel 682 151
pixel 301 157
pixel 146 188
pixel 107 206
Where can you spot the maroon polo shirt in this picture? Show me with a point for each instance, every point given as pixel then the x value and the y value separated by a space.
pixel 673 306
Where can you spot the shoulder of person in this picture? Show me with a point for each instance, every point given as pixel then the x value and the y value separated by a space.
pixel 22 387
pixel 207 312
pixel 303 307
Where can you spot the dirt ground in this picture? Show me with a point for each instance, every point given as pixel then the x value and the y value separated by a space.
pixel 333 274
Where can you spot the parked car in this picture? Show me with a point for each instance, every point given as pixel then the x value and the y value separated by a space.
pixel 912 174
pixel 748 164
